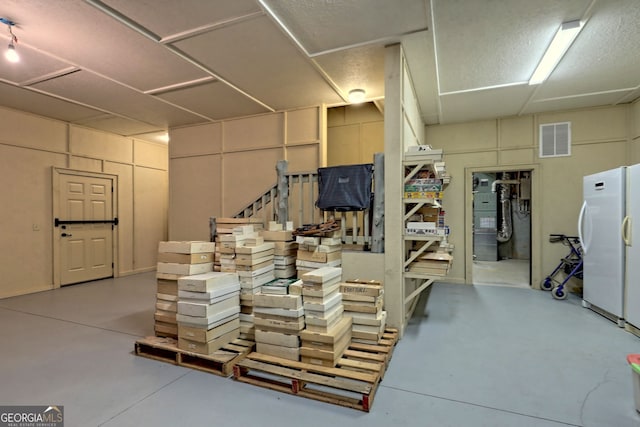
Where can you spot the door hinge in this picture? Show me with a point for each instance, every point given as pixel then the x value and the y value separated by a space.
pixel 112 266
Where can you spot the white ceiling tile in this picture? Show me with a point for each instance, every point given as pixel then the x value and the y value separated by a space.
pixel 572 103
pixel 214 100
pixel 358 68
pixel 322 25
pixel 485 104
pixel 169 17
pixel 107 95
pixel 488 43
pixel 119 125
pixel 587 65
pixel 36 103
pixel 33 64
pixel 257 57
pixel 82 35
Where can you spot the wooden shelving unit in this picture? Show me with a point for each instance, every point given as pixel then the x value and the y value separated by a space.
pixel 415 245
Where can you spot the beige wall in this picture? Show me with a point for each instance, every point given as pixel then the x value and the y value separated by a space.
pixel 600 140
pixel 30 146
pixel 217 169
pixel 354 134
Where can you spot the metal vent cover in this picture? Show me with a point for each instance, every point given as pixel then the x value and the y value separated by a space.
pixel 555 139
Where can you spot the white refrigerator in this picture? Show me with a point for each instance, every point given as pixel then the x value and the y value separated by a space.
pixel 631 237
pixel 600 231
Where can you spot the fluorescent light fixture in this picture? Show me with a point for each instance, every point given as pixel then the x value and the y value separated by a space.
pixel 356 96
pixel 566 34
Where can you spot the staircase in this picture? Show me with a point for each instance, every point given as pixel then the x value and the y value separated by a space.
pixel 293 198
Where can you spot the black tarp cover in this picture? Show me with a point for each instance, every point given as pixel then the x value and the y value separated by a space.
pixel 345 188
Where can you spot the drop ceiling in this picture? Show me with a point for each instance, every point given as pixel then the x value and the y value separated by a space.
pixel 139 67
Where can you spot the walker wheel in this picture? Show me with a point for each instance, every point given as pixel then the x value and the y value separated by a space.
pixel 559 293
pixel 546 284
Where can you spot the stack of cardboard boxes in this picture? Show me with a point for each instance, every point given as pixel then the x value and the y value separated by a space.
pixel 225 243
pixel 363 301
pixel 279 318
pixel 316 252
pixel 328 333
pixel 254 262
pixel 177 259
pixel 208 311
pixel 284 249
pixel 432 263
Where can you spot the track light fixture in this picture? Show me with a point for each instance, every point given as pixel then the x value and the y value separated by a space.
pixel 11 54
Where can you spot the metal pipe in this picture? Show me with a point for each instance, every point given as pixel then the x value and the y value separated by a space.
pixel 503 181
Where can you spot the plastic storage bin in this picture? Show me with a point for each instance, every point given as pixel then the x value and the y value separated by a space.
pixel 634 362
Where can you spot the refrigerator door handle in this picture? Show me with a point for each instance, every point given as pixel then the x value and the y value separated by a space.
pixel 580 223
pixel 626 230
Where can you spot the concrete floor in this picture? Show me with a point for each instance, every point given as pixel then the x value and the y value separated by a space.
pixel 474 356
pixel 507 272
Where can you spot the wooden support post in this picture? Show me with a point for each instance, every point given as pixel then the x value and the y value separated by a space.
pixel 272 199
pixel 311 202
pixel 301 199
pixel 212 229
pixel 283 192
pixel 354 227
pixel 377 232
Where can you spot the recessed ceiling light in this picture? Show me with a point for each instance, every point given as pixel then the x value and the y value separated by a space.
pixel 356 96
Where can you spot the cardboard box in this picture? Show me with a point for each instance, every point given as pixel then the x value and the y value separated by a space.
pixel 185 258
pixel 210 346
pixel 317 256
pixel 322 275
pixel 363 307
pixel 332 336
pixel 198 309
pixel 207 282
pixel 184 269
pixel 280 312
pixel 291 302
pixel 167 287
pixel 277 236
pixel 361 289
pixel 324 304
pixel 284 325
pixel 189 247
pixel 212 321
pixel 278 351
pixel 277 338
pixel 204 335
pixel 269 246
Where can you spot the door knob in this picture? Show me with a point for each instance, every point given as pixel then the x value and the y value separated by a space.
pixel 65 235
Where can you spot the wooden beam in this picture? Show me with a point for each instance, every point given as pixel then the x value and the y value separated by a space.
pixel 377 232
pixel 283 192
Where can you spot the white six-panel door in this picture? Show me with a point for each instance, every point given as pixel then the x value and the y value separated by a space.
pixel 85 249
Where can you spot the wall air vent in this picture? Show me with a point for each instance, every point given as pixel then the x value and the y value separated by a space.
pixel 555 139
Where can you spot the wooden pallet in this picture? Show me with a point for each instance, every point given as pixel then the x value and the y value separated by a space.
pixel 375 353
pixel 219 363
pixel 352 383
